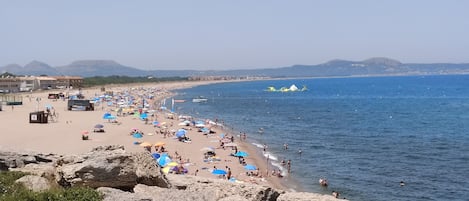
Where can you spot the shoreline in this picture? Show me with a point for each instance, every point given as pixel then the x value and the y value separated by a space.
pixel 255 157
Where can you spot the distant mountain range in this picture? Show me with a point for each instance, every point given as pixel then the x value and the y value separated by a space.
pixel 378 66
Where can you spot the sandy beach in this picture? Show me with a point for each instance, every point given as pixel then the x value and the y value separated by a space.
pixel 63 135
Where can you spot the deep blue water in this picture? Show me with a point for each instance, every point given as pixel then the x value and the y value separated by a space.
pixel 364 135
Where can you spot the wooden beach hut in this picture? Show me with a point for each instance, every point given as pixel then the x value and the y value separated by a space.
pixel 38 117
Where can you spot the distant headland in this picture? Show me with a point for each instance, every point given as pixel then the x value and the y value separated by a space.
pixel 377 66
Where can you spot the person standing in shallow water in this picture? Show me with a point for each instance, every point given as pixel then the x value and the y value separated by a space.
pixel 289 166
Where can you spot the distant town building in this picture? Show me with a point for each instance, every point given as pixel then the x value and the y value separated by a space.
pixel 12 84
pixel 69 81
pixel 9 84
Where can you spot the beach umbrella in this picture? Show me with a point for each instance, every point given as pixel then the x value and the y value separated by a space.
pixel 155 155
pixel 106 115
pixel 241 154
pixel 181 132
pixel 177 169
pixel 85 132
pixel 156 123
pixel 143 116
pixel 137 135
pixel 166 169
pixel 172 164
pixel 159 144
pixel 109 117
pixel 231 144
pixel 98 126
pixel 219 172
pixel 145 144
pixel 163 160
pixel 250 167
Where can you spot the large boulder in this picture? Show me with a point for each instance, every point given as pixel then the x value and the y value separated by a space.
pixel 109 166
pixel 46 170
pixel 34 183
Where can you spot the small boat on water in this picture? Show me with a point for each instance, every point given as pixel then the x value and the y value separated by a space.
pixel 199 99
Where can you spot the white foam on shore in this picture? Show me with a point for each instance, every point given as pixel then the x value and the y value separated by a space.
pixel 271 156
pixel 273 160
pixel 281 168
pixel 258 145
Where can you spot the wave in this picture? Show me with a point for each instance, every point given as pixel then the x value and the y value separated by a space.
pixel 271 156
pixel 258 145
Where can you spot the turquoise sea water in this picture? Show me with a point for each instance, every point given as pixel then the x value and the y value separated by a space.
pixel 364 135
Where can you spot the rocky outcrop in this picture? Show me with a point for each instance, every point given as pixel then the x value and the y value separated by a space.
pixel 122 176
pixel 215 189
pixel 10 159
pixel 109 166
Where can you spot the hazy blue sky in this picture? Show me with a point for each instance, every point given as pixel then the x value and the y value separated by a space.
pixel 237 34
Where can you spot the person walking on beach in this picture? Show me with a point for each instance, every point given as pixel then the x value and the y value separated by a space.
pixel 229 174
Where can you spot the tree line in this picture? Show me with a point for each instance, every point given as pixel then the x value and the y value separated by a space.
pixel 116 79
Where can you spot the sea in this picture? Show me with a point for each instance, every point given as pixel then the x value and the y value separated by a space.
pixel 364 135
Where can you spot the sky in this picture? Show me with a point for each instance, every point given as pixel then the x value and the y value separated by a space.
pixel 225 35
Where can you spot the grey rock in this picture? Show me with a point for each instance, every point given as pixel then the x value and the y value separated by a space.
pixel 110 166
pixel 34 183
pixel 46 170
pixel 10 159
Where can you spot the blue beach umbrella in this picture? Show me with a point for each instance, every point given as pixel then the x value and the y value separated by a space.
pixel 250 167
pixel 241 154
pixel 155 155
pixel 219 172
pixel 181 132
pixel 106 115
pixel 137 135
pixel 163 160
